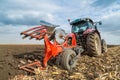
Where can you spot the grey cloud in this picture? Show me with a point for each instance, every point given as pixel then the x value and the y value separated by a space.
pixel 111 24
pixel 25 20
pixel 28 5
pixel 23 12
pixel 103 3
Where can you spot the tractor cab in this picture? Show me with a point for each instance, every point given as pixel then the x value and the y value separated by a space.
pixel 81 25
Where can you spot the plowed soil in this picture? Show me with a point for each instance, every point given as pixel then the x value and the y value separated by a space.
pixel 104 67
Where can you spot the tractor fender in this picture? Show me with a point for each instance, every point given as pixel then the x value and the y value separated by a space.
pixel 91 31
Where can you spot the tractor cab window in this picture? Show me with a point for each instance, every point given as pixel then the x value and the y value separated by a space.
pixel 90 25
pixel 80 27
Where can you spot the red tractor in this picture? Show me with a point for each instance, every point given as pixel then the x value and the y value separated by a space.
pixel 88 36
pixel 67 48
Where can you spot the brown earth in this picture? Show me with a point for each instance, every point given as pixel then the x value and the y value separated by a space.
pixel 104 67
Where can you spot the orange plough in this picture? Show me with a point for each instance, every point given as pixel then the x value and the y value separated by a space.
pixel 52 49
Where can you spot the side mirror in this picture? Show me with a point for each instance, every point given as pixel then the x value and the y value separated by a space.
pixel 68 20
pixel 100 23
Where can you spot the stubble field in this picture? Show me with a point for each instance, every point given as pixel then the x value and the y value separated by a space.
pixel 104 67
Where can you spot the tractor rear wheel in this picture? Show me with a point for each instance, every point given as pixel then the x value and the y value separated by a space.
pixel 94 44
pixel 104 46
pixel 68 60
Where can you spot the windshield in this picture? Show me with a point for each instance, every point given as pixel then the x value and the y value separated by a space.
pixel 82 26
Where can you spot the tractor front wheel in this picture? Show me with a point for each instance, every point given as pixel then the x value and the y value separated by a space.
pixel 68 60
pixel 94 45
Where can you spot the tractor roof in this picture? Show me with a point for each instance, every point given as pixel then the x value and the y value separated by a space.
pixel 81 19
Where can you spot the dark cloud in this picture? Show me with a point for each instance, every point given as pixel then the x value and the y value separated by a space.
pixel 26 19
pixel 111 24
pixel 103 3
pixel 25 12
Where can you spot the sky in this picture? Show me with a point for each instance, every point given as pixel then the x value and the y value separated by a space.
pixel 19 15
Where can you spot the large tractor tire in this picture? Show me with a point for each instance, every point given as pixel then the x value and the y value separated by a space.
pixel 94 45
pixel 104 46
pixel 68 60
